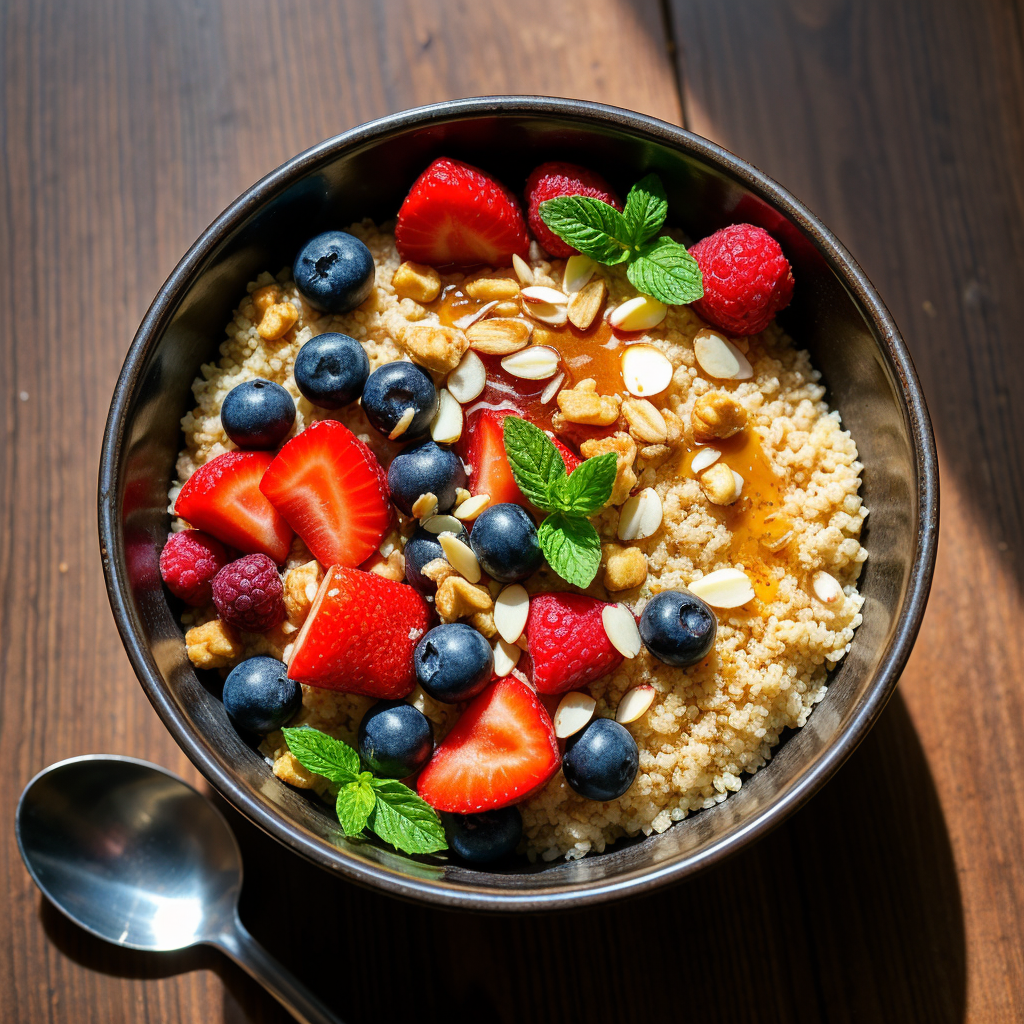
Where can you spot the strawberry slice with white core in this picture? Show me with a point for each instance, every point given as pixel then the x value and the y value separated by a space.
pixel 332 490
pixel 500 751
pixel 223 497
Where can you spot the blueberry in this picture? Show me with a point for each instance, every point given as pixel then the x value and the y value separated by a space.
pixel 453 662
pixel 395 387
pixel 334 271
pixel 257 414
pixel 258 695
pixel 504 541
pixel 331 369
pixel 424 468
pixel 600 762
pixel 678 628
pixel 395 739
pixel 423 547
pixel 482 838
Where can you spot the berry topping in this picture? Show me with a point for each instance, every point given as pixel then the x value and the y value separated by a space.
pixel 483 838
pixel 455 215
pixel 188 563
pixel 334 272
pixel 423 547
pixel 248 594
pixel 453 662
pixel 258 695
pixel 257 414
pixel 568 646
pixel 747 279
pixel 360 635
pixel 555 179
pixel 504 540
pixel 425 468
pixel 391 391
pixel 678 628
pixel 332 490
pixel 223 497
pixel 600 762
pixel 489 471
pixel 500 751
pixel 331 369
pixel 395 739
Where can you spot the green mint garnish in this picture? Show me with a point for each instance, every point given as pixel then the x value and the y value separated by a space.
pixel 658 267
pixel 385 806
pixel 569 541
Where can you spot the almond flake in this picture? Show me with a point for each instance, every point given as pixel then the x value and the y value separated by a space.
pixel 468 380
pixel 511 607
pixel 442 524
pixel 548 313
pixel 705 457
pixel 535 363
pixel 446 426
pixel 471 318
pixel 461 495
pixel 425 505
pixel 638 314
pixel 472 507
pixel 500 336
pixel 403 424
pixel 826 588
pixel 640 515
pixel 506 657
pixel 586 304
pixel 538 293
pixel 634 703
pixel 724 588
pixel 738 482
pixel 579 269
pixel 720 358
pixel 621 629
pixel 523 269
pixel 552 389
pixel 460 557
pixel 574 711
pixel 646 370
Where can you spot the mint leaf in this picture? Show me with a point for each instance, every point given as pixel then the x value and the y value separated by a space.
pixel 646 208
pixel 571 546
pixel 536 463
pixel 665 270
pixel 405 820
pixel 589 485
pixel 322 754
pixel 590 225
pixel 354 804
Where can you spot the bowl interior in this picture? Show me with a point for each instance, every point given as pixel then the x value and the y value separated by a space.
pixel 366 174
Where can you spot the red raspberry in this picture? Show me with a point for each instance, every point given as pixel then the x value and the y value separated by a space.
pixel 248 594
pixel 555 179
pixel 747 279
pixel 188 563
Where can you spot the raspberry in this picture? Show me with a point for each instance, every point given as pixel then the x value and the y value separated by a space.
pixel 555 179
pixel 747 279
pixel 188 563
pixel 248 594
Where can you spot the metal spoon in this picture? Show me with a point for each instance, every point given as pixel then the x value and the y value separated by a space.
pixel 136 856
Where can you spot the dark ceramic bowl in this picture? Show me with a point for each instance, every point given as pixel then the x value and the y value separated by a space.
pixel 836 314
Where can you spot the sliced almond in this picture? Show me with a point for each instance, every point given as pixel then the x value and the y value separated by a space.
pixel 511 607
pixel 547 313
pixel 645 421
pixel 621 629
pixel 724 588
pixel 634 703
pixel 446 426
pixel 586 303
pixel 523 269
pixel 574 711
pixel 403 424
pixel 506 657
pixel 425 505
pixel 579 269
pixel 640 515
pixel 718 357
pixel 539 293
pixel 639 314
pixel 552 389
pixel 737 482
pixel 646 370
pixel 461 495
pixel 442 524
pixel 472 507
pixel 826 587
pixel 500 335
pixel 535 363
pixel 468 380
pixel 705 457
pixel 469 319
pixel 460 557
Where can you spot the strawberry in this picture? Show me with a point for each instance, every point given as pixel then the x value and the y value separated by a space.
pixel 554 179
pixel 567 645
pixel 455 215
pixel 569 457
pixel 332 490
pixel 502 748
pixel 360 635
pixel 223 498
pixel 484 449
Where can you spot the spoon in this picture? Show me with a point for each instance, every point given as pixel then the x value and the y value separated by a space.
pixel 134 855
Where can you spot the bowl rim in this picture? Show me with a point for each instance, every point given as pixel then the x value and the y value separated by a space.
pixel 642 880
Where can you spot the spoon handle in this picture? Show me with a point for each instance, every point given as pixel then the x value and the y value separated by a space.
pixel 291 993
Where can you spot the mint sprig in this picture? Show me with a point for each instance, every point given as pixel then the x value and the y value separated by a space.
pixel 385 806
pixel 659 267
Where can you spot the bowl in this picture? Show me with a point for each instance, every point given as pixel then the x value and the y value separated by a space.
pixel 365 172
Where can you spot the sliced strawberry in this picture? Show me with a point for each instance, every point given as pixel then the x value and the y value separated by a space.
pixel 569 457
pixel 455 215
pixel 566 642
pixel 223 498
pixel 360 635
pixel 484 450
pixel 502 748
pixel 332 490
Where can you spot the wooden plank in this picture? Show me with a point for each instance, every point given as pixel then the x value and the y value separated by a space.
pixel 902 125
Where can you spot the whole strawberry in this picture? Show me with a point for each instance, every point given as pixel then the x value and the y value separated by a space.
pixel 248 594
pixel 188 563
pixel 554 179
pixel 747 279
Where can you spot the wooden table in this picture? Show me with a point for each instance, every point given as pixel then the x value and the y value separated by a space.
pixel 898 894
